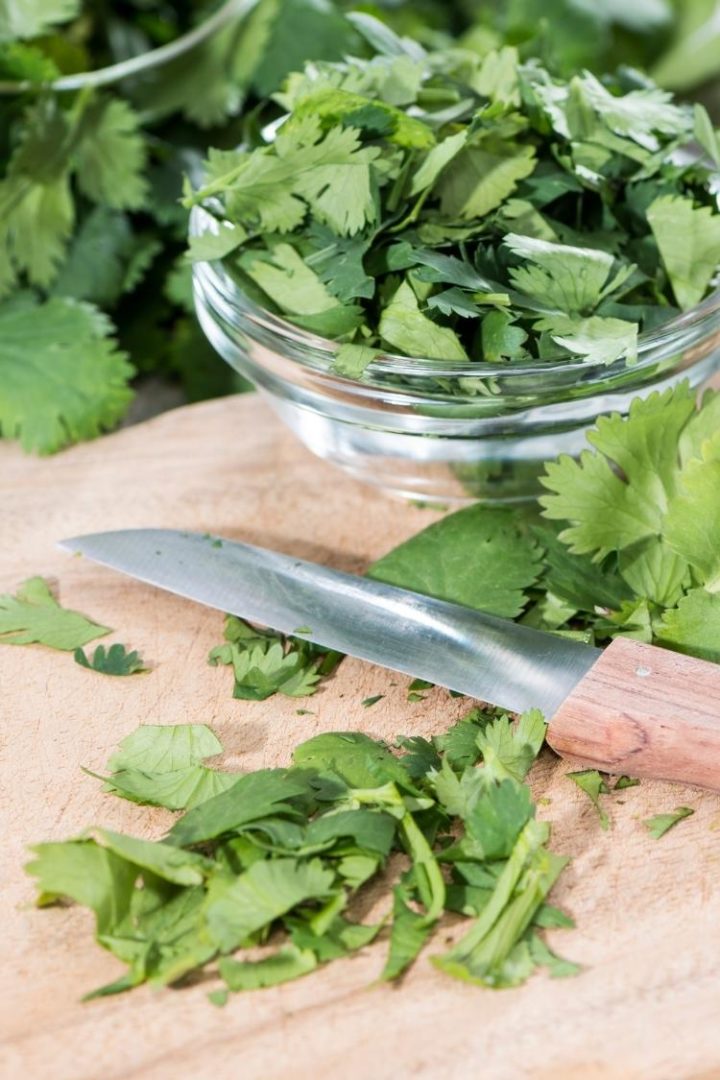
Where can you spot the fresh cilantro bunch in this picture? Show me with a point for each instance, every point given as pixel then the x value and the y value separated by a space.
pixel 90 180
pixel 627 541
pixel 60 36
pixel 460 205
pixel 263 872
pixel 639 516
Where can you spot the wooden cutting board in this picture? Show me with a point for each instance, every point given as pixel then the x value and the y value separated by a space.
pixel 647 912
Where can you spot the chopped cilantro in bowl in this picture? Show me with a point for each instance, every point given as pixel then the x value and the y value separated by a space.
pixel 444 266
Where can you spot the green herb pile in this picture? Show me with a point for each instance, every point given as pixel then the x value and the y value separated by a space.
pixel 276 859
pixel 454 207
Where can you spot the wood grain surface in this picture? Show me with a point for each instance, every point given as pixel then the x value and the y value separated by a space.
pixel 648 926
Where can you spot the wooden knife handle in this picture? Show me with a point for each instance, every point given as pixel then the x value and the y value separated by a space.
pixel 644 711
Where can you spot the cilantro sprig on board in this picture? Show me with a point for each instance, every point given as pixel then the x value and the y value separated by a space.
pixel 469 207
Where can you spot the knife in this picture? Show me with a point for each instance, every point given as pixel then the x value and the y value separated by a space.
pixel 632 708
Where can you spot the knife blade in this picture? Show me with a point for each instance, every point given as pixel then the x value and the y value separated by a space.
pixel 488 658
pixel 631 708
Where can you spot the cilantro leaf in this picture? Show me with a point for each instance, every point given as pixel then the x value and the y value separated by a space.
pixel 479 178
pixel 658 825
pixel 282 966
pixel 31 18
pixel 410 932
pixel 688 238
pixel 693 626
pixel 572 279
pixel 339 939
pixel 361 762
pixel 509 750
pixel 505 561
pixel 105 260
pixel 110 158
pixel 61 376
pixel 576 579
pixel 543 956
pixel 216 245
pixel 87 873
pixel 459 743
pixel 533 201
pixel 282 851
pixel 295 31
pixel 164 861
pixel 249 798
pixel 597 340
pixel 420 756
pixel 267 889
pixel 591 782
pixel 692 524
pixel 625 782
pixel 501 339
pixel 610 511
pixel 330 175
pixel 371 118
pixel 266 669
pixel 352 361
pixel 165 748
pixel 265 662
pixel 640 115
pixel 163 766
pixel 496 818
pixel 35 616
pixel 114 661
pixel 404 326
pixel 436 160
pixel 289 282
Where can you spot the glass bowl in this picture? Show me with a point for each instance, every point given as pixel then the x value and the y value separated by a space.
pixel 400 429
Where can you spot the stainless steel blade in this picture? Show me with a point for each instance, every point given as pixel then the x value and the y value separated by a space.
pixel 491 659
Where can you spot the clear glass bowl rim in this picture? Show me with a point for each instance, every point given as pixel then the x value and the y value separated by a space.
pixel 670 334
pixel 147 61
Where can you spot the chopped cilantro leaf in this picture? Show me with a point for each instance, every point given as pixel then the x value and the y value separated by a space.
pixel 115 660
pixel 658 825
pixel 33 615
pixel 266 663
pixel 623 782
pixel 688 238
pixel 591 782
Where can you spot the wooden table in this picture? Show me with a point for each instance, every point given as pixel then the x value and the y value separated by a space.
pixel 647 912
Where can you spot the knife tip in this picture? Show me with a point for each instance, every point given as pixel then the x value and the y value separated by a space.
pixel 70 543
